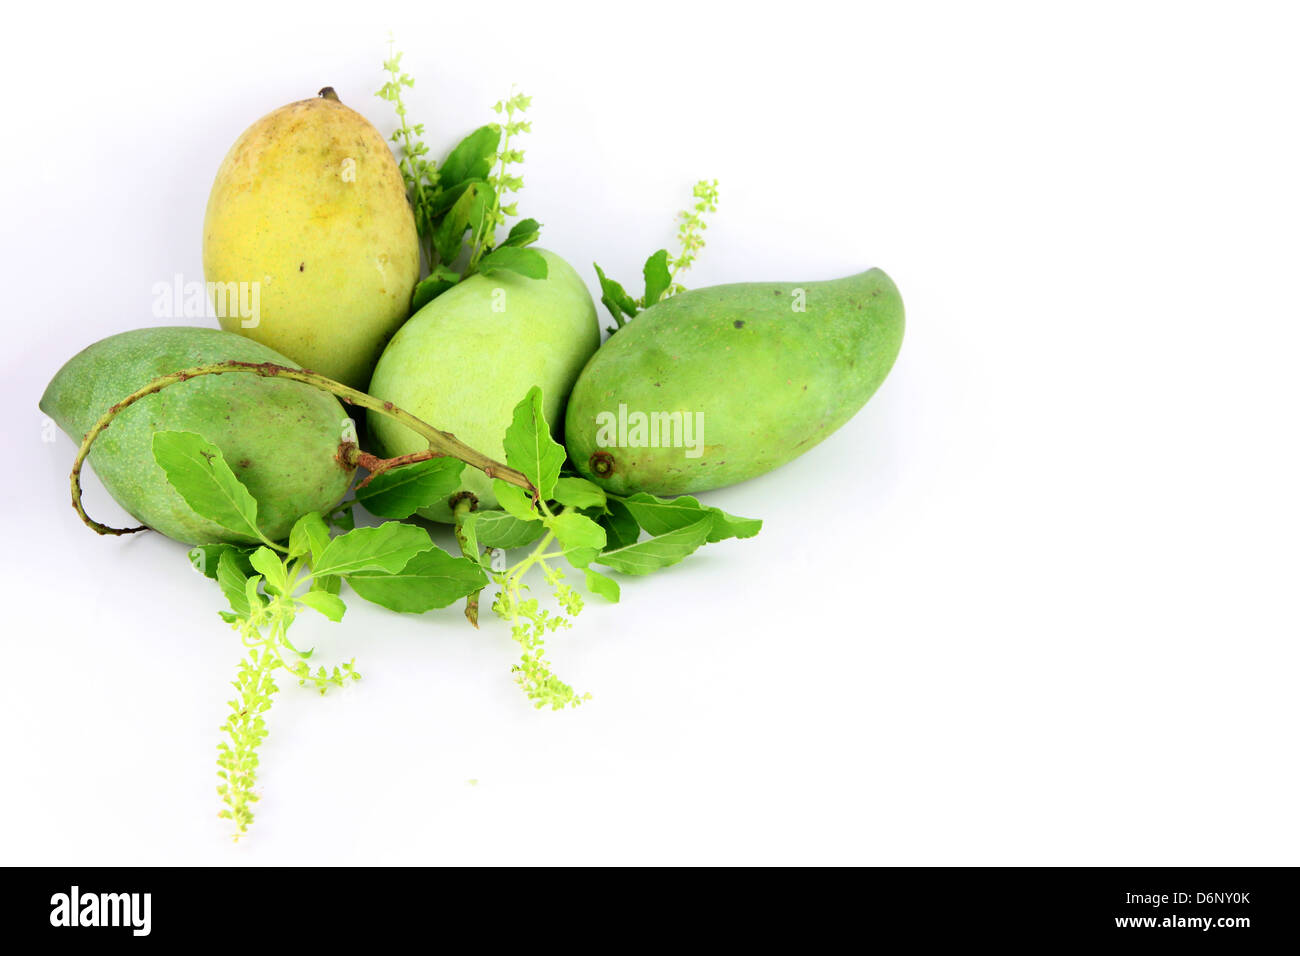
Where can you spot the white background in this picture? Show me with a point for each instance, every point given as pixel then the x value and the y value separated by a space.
pixel 1035 604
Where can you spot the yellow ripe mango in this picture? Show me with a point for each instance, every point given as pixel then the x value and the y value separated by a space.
pixel 310 211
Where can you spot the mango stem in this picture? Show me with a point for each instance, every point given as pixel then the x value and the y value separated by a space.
pixel 440 442
pixel 377 466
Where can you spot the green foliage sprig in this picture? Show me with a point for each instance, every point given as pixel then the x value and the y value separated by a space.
pixel 575 522
pixel 503 181
pixel 395 565
pixel 661 270
pixel 464 195
pixel 420 175
pixel 567 520
pixel 690 233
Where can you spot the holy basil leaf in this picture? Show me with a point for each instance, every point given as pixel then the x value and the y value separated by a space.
pixel 578 493
pixel 529 446
pixel 197 470
pixel 251 596
pixel 446 198
pixel 429 580
pixel 732 526
pixel 386 548
pixel 309 536
pixel 660 515
pixel 399 493
pixel 527 262
pixel 523 233
pixel 598 583
pixel 658 552
pixel 498 529
pixel 472 158
pixel 232 581
pixel 431 286
pixel 272 569
pixel 516 502
pixel 450 234
pixel 620 527
pixel 615 298
pixel 479 219
pixel 580 557
pixel 204 557
pixel 331 583
pixel 328 604
pixel 574 530
pixel 657 278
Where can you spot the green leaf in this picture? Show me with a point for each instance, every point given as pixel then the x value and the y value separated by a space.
pixel 480 218
pixel 399 493
pixel 431 286
pixel 232 581
pixel 523 233
pixel 615 298
pixel 472 158
pixel 516 502
pixel 386 548
pixel 272 570
pixel 343 518
pixel 598 583
pixel 526 262
pixel 660 515
pixel 309 536
pixel 731 526
pixel 580 557
pixel 331 605
pixel 331 583
pixel 204 558
pixel 250 591
pixel 529 446
pixel 431 579
pixel 578 493
pixel 658 552
pixel 450 234
pixel 197 470
pixel 620 527
pixel 575 530
pixel 498 529
pixel 657 279
pixel 446 198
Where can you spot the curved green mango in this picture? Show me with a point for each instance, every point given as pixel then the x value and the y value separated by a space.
pixel 717 385
pixel 280 438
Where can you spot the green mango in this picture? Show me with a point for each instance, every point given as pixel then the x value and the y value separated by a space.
pixel 717 385
pixel 280 438
pixel 467 358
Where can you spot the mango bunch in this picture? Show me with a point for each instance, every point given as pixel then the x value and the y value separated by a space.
pixel 315 239
pixel 701 390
